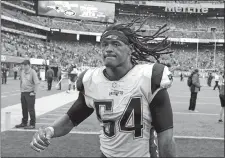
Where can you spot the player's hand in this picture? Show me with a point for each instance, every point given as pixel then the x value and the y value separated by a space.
pixel 32 94
pixel 41 139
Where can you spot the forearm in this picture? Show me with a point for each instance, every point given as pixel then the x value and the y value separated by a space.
pixel 35 88
pixel 62 126
pixel 167 148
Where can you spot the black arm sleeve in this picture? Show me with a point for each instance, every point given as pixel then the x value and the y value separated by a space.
pixel 157 73
pixel 79 110
pixel 160 107
pixel 161 111
pixel 80 86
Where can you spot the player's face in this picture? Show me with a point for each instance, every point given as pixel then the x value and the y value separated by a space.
pixel 115 53
pixel 26 67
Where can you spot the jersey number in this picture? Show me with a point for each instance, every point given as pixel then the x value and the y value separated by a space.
pixel 131 120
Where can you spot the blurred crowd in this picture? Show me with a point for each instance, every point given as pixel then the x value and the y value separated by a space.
pixel 181 26
pixel 58 53
pixel 66 52
pixel 184 57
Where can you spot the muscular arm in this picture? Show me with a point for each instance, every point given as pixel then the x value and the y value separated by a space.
pixel 36 81
pixel 161 112
pixel 75 115
pixel 162 120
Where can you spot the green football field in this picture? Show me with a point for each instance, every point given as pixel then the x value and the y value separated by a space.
pixel 196 134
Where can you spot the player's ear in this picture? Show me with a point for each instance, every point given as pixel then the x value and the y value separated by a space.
pixel 131 46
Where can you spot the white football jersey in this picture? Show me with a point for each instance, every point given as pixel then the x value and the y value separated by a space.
pixel 122 108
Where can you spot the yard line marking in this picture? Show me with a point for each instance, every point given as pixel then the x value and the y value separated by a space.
pixel 195 137
pixel 43 123
pixel 177 96
pixel 197 103
pixel 97 133
pixel 3 96
pixel 51 119
pixel 10 92
pixel 55 114
pixel 59 112
pixel 15 94
pixel 64 108
pixel 195 113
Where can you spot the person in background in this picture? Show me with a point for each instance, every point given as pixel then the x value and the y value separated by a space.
pixel 20 71
pixel 15 70
pixel 49 76
pixel 181 76
pixel 194 88
pixel 72 74
pixel 209 81
pixel 4 74
pixel 28 85
pixel 221 79
pixel 222 100
pixel 59 76
pixel 216 81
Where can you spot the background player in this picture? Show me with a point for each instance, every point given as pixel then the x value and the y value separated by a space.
pixel 125 125
pixel 72 75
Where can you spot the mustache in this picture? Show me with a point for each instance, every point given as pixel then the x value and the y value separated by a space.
pixel 109 55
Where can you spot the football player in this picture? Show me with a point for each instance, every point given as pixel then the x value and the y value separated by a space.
pixel 72 74
pixel 130 99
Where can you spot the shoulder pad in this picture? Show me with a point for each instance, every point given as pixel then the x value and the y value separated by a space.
pixel 80 86
pixel 157 73
pixel 167 78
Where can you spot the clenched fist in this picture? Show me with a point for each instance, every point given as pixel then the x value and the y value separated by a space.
pixel 41 139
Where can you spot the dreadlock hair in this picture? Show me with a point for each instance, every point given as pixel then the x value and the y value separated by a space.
pixel 141 43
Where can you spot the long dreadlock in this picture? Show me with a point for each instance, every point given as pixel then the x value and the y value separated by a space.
pixel 141 43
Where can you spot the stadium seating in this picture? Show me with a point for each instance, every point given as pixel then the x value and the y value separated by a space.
pixel 182 27
pixel 65 52
pixel 55 51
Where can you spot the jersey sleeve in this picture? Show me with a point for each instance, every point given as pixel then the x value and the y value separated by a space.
pixel 160 106
pixel 79 111
pixel 167 78
pixel 161 111
pixel 161 77
pixel 80 86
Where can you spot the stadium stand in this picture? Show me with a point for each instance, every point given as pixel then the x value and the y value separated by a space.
pixel 64 51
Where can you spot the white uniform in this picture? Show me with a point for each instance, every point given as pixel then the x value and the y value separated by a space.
pixel 122 108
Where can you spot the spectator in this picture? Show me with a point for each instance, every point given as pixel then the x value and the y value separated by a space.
pixel 216 81
pixel 181 76
pixel 194 88
pixel 49 76
pixel 15 70
pixel 221 78
pixel 209 81
pixel 4 74
pixel 28 86
pixel 59 76
pixel 222 100
pixel 72 74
